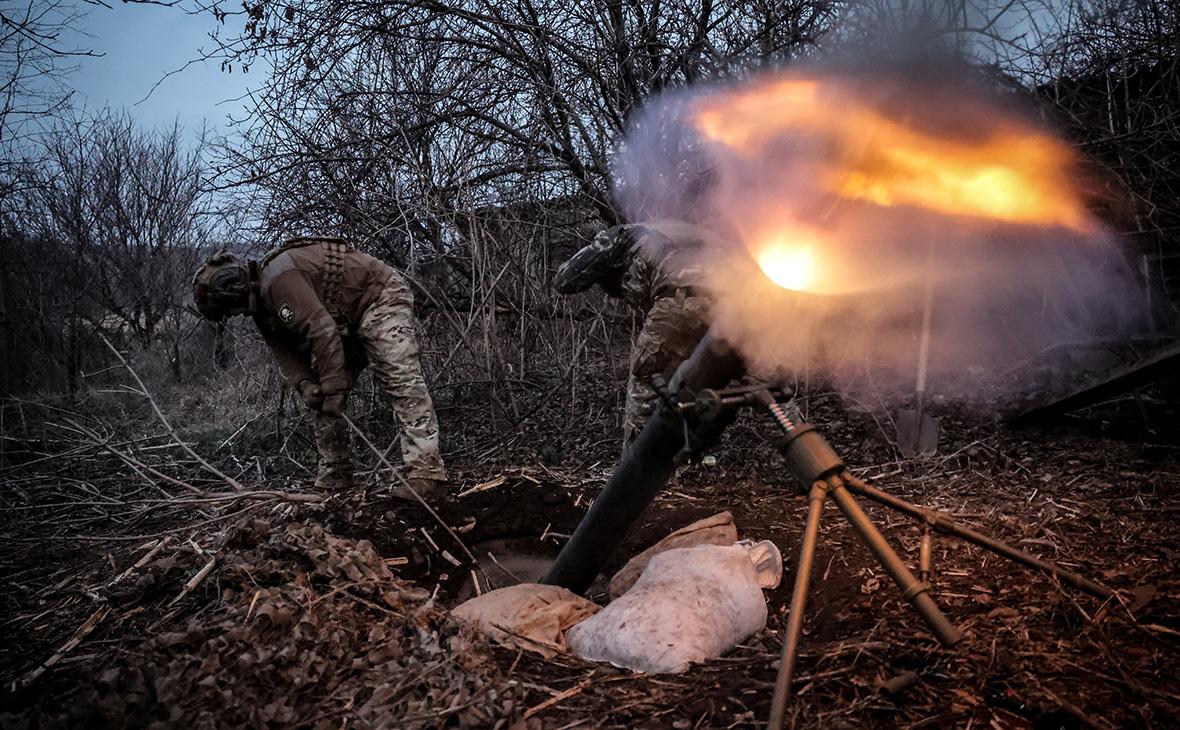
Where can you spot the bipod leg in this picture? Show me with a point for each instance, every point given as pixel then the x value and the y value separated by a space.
pixel 914 591
pixel 786 669
pixel 944 524
pixel 925 552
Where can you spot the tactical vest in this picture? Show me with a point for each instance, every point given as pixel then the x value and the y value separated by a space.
pixel 334 250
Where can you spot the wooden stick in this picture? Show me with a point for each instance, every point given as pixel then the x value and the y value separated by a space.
pixel 79 635
pixel 253 602
pixel 560 696
pixel 141 562
pixel 195 580
pixel 259 494
pixel 143 390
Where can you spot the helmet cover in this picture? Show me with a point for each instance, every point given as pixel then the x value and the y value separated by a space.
pixel 220 286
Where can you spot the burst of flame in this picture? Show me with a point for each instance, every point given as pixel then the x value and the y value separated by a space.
pixel 789 265
pixel 790 268
pixel 1014 174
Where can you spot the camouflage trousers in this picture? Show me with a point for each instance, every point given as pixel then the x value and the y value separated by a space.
pixel 671 331
pixel 387 334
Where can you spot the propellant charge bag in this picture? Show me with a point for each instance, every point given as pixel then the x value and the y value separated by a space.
pixel 689 605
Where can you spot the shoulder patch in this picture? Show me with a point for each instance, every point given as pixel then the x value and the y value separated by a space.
pixel 287 313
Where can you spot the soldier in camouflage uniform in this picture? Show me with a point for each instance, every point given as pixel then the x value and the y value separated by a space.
pixel 656 268
pixel 326 310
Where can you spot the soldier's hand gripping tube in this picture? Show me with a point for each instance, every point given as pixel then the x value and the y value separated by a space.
pixel 644 470
pixel 708 419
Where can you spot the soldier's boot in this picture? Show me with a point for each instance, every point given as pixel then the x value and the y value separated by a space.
pixel 334 477
pixel 429 489
pixel 334 474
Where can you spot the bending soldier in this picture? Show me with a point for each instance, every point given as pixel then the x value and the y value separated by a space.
pixel 326 310
pixel 654 267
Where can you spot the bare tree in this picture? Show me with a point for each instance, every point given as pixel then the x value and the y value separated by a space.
pixel 34 63
pixel 151 224
pixel 109 232
pixel 416 107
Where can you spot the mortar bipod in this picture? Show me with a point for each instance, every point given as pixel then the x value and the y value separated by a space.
pixel 815 464
pixel 812 461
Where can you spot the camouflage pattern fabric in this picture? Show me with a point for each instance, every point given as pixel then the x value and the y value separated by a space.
pixel 640 262
pixel 656 267
pixel 386 332
pixel 671 331
pixel 333 441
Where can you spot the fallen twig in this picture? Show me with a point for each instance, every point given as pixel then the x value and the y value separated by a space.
pixel 491 484
pixel 560 696
pixel 79 635
pixel 143 390
pixel 195 580
pixel 141 562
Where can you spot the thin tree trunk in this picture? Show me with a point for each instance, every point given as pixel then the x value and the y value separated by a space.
pixel 7 335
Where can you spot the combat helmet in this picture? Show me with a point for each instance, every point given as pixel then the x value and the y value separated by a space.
pixel 221 286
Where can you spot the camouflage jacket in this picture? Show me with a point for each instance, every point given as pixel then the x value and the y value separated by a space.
pixel 312 293
pixel 640 262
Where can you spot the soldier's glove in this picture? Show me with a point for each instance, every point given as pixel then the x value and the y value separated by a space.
pixel 310 392
pixel 334 404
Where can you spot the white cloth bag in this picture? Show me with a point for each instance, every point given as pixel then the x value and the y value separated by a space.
pixel 689 605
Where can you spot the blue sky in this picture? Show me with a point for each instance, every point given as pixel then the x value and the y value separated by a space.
pixel 142 43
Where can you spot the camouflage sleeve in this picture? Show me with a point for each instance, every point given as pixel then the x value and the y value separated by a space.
pixel 300 310
pixel 292 362
pixel 597 263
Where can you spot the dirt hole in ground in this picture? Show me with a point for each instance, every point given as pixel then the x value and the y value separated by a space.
pixel 514 530
pixel 506 562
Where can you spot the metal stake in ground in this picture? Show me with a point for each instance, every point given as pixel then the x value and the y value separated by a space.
pixel 917 433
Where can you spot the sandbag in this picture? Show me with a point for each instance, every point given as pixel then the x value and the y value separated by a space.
pixel 689 605
pixel 527 616
pixel 715 530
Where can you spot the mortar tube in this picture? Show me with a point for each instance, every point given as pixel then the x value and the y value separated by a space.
pixel 644 470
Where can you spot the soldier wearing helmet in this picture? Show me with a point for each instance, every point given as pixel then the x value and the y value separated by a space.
pixel 656 268
pixel 327 310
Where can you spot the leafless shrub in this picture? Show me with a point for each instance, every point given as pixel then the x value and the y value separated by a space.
pixel 103 240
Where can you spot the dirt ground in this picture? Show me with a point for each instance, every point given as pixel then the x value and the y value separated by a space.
pixel 314 617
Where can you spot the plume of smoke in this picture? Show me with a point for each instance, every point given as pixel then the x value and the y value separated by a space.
pixel 1004 289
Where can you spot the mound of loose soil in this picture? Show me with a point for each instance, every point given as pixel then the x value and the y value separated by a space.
pixel 308 628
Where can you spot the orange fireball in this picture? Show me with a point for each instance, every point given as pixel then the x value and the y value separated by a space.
pixel 860 150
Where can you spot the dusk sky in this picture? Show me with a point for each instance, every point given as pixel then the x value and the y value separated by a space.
pixel 142 43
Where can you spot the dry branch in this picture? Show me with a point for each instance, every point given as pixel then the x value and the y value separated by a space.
pixel 195 580
pixel 79 635
pixel 427 507
pixel 560 696
pixel 143 390
pixel 160 544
